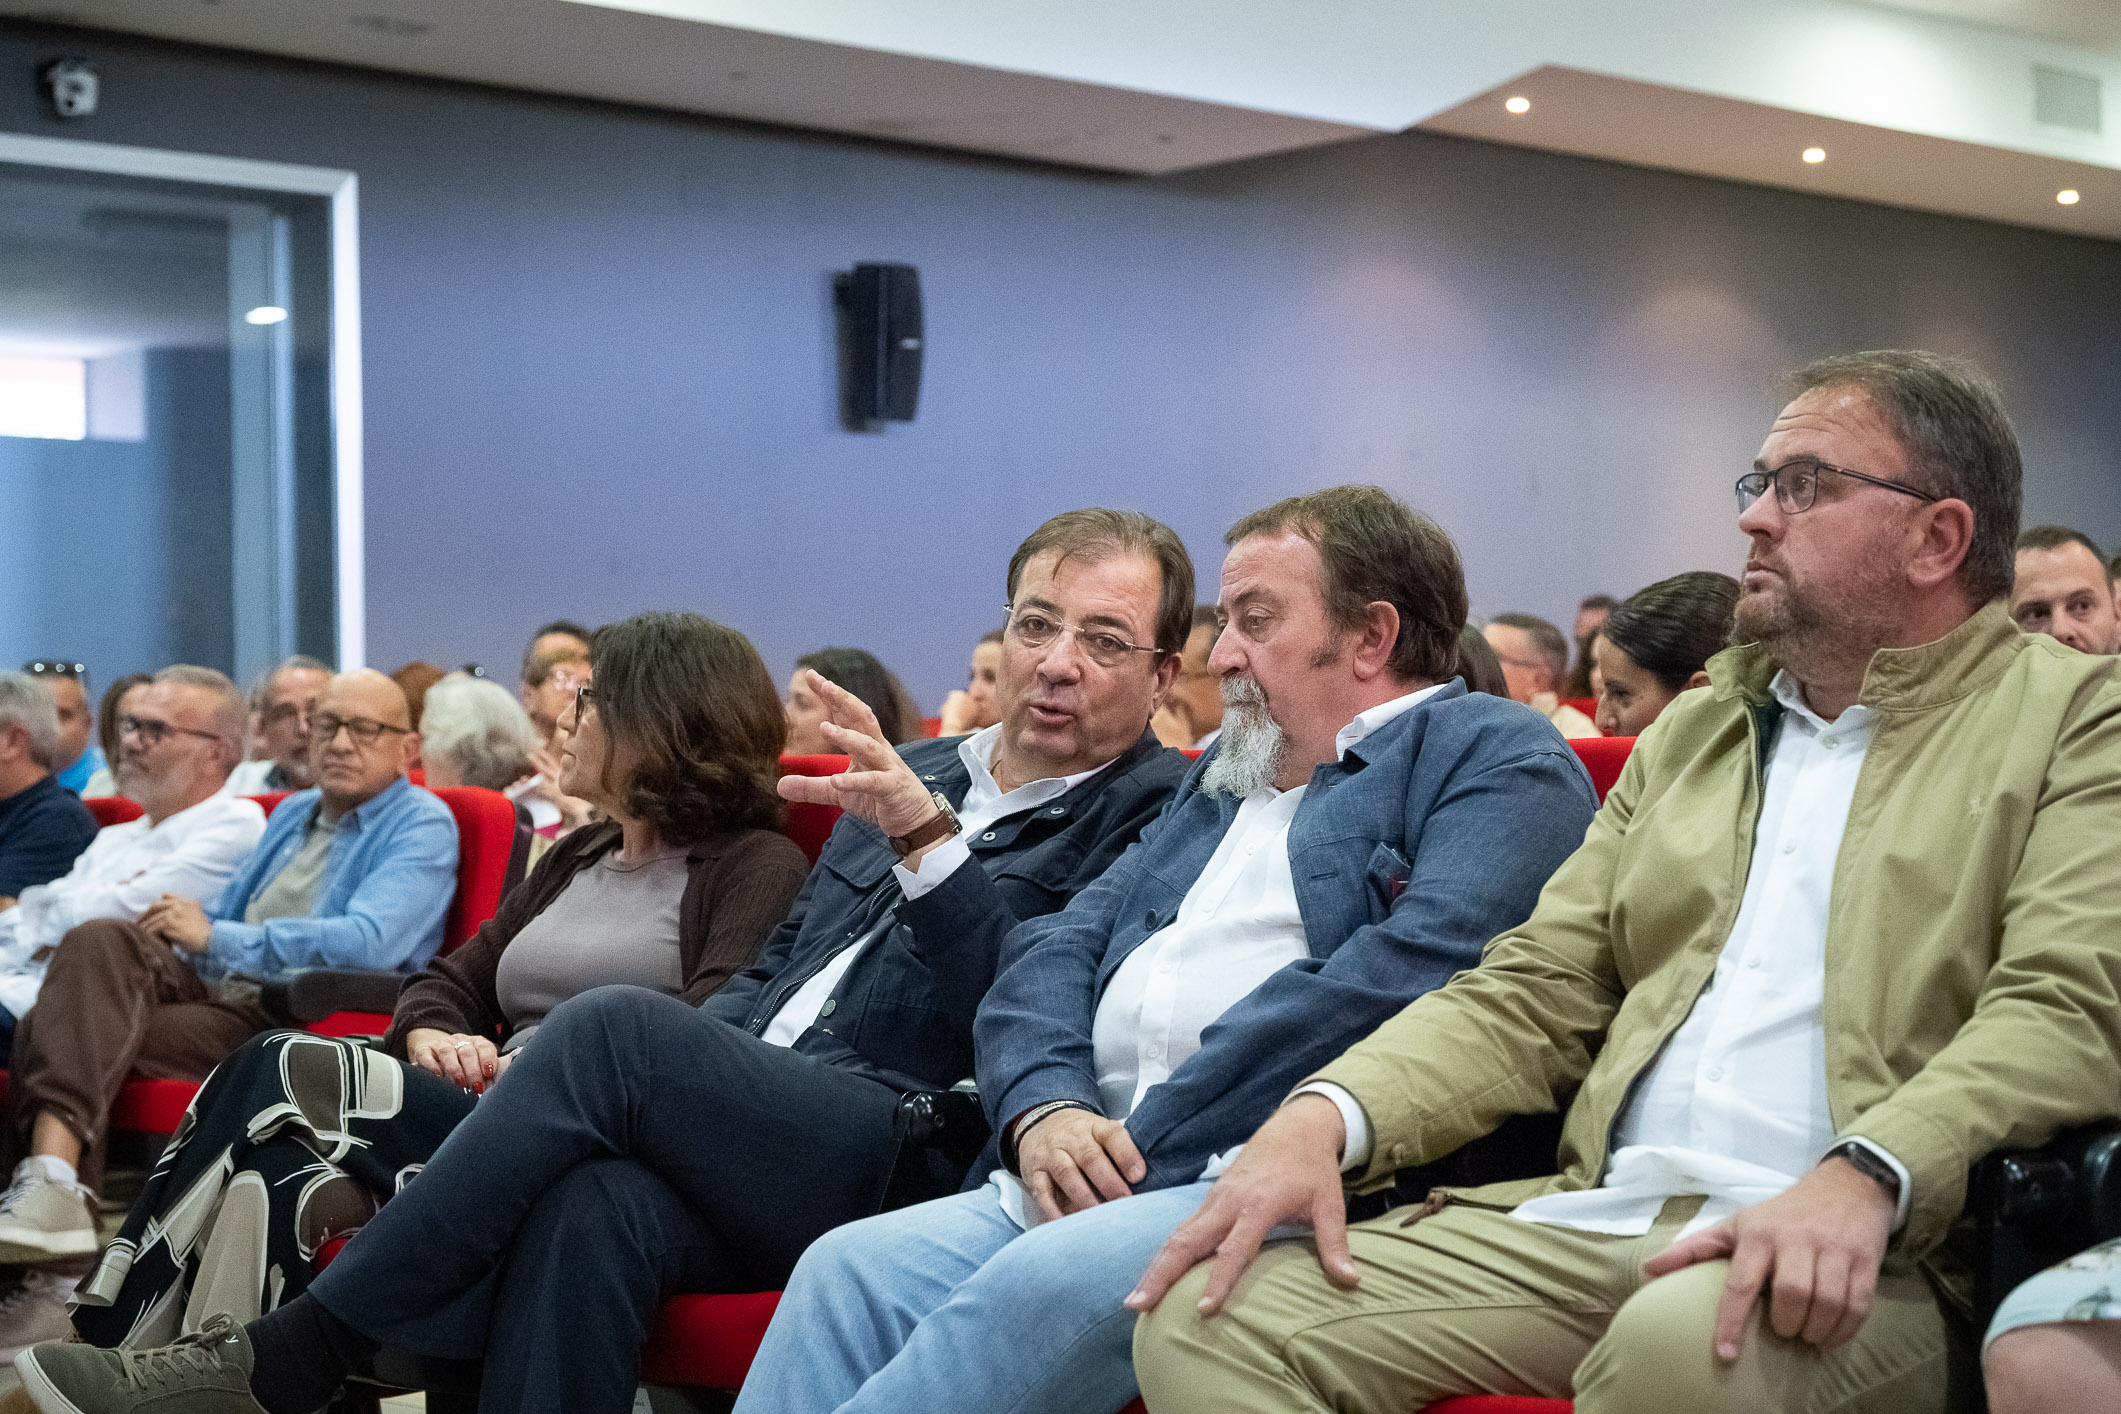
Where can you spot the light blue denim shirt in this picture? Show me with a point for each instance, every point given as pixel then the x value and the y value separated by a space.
pixel 384 896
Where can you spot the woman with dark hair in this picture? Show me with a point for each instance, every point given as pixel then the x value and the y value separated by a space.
pixel 1478 665
pixel 1657 644
pixel 297 1138
pixel 861 674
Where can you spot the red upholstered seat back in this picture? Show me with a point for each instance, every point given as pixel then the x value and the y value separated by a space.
pixel 1603 756
pixel 811 825
pixel 707 1342
pixel 1586 705
pixel 112 810
pixel 486 834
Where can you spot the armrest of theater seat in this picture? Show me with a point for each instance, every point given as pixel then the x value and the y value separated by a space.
pixel 2031 1208
pixel 310 994
pixel 950 1121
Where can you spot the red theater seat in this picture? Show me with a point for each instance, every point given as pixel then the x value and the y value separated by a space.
pixel 1586 705
pixel 931 726
pixel 112 810
pixel 1603 756
pixel 707 1342
pixel 811 825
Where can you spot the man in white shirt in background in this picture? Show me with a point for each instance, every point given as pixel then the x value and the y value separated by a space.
pixel 1363 825
pixel 280 708
pixel 174 758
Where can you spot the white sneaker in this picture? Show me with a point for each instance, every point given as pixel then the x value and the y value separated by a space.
pixel 35 1312
pixel 42 1218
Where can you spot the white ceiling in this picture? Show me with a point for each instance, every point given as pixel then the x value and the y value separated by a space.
pixel 1925 103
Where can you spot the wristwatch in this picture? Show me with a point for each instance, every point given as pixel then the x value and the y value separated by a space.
pixel 941 827
pixel 1860 1158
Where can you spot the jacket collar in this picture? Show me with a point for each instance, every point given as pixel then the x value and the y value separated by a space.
pixel 1898 679
pixel 1385 739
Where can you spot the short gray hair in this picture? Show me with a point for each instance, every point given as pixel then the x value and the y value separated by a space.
pixel 231 715
pixel 28 704
pixel 480 727
pixel 1947 415
pixel 261 690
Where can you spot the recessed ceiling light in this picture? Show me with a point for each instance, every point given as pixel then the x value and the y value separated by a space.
pixel 266 314
pixel 2068 196
pixel 1519 104
pixel 1815 154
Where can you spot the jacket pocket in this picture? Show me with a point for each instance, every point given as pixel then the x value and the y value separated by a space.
pixel 1387 876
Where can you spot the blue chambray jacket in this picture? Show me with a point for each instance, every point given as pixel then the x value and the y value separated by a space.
pixel 1427 838
pixel 382 901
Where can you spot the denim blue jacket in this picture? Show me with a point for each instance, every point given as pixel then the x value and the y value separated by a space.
pixel 1427 838
pixel 382 902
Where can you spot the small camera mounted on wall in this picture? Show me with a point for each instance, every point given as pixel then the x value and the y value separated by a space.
pixel 70 86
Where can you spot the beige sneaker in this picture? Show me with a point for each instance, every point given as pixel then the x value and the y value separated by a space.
pixel 35 1312
pixel 41 1219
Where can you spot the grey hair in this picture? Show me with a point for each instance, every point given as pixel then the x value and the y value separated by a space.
pixel 231 714
pixel 481 728
pixel 261 690
pixel 29 705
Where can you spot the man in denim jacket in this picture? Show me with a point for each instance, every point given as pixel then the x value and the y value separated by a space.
pixel 1361 829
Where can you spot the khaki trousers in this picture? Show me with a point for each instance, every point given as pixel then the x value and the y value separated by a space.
pixel 1473 1301
pixel 114 1001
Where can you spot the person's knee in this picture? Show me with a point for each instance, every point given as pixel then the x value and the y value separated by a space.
pixel 96 947
pixel 1658 1352
pixel 2044 1368
pixel 616 1012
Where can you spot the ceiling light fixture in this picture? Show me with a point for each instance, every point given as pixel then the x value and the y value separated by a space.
pixel 2068 196
pixel 1519 104
pixel 265 314
pixel 1815 154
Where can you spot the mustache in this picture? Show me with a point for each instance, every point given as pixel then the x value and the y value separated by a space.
pixel 1240 690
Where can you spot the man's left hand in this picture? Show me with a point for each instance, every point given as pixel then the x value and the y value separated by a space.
pixel 1816 1248
pixel 178 922
pixel 878 785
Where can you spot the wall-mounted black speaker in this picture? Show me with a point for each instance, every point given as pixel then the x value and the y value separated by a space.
pixel 880 307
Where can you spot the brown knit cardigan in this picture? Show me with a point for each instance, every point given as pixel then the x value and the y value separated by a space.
pixel 740 885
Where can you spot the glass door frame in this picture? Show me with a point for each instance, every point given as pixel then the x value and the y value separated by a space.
pixel 348 548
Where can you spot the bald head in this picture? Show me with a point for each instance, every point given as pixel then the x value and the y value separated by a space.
pixel 360 739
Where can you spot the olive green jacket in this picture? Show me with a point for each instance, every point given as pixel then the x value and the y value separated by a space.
pixel 1973 949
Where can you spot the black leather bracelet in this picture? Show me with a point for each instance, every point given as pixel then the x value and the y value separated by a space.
pixel 1023 1123
pixel 1860 1158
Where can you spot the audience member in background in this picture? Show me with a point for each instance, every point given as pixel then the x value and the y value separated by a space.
pixel 1361 829
pixel 1192 715
pixel 75 760
pixel 356 872
pixel 977 706
pixel 473 733
pixel 1658 644
pixel 551 679
pixel 414 679
pixel 1535 660
pixel 43 826
pixel 1478 665
pixel 1590 613
pixel 563 637
pixel 642 1146
pixel 859 673
pixel 118 699
pixel 1846 925
pixel 280 708
pixel 2062 589
pixel 298 1138
pixel 177 745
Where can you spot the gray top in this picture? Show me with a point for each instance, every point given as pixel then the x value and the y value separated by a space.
pixel 615 923
pixel 292 893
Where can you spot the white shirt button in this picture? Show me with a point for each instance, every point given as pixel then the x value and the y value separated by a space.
pixel 1715 1072
pixel 1155 1051
pixel 1830 742
pixel 1789 846
pixel 1752 962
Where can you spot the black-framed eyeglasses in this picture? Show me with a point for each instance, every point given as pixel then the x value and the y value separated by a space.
pixel 365 731
pixel 1034 628
pixel 584 696
pixel 153 731
pixel 55 668
pixel 1796 485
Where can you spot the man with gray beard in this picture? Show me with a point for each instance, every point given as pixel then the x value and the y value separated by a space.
pixel 1360 829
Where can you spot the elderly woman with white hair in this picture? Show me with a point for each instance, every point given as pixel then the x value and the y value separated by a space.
pixel 474 733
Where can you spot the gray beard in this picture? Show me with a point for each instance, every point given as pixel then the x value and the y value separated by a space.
pixel 1250 752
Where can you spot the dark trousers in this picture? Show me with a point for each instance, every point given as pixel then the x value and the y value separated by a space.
pixel 114 1002
pixel 634 1150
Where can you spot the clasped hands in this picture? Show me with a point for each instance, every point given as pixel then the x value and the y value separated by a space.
pixel 179 922
pixel 470 1063
pixel 878 785
pixel 1815 1248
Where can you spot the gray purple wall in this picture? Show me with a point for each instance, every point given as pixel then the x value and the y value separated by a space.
pixel 599 368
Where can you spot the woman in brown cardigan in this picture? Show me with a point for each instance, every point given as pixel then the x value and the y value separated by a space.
pixel 296 1139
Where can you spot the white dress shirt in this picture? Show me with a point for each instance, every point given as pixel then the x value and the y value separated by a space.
pixel 1237 926
pixel 125 868
pixel 986 805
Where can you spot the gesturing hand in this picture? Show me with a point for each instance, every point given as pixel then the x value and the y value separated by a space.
pixel 467 1062
pixel 1076 1159
pixel 1821 1243
pixel 878 785
pixel 1289 1172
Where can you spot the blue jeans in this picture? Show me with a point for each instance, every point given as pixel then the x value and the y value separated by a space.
pixel 950 1306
